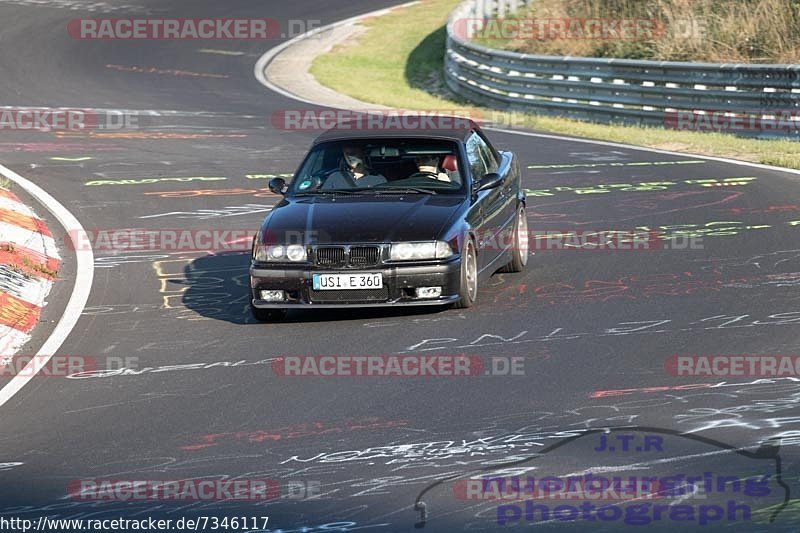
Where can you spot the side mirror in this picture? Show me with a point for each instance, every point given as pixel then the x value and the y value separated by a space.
pixel 490 181
pixel 277 185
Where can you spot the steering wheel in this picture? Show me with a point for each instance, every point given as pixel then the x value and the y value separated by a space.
pixel 324 173
pixel 426 174
pixel 321 177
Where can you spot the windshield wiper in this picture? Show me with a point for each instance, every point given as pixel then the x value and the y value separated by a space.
pixel 405 190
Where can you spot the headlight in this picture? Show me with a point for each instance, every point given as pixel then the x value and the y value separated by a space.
pixel 414 251
pixel 294 253
pixel 276 253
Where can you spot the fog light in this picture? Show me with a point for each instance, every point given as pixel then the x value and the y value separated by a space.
pixel 428 292
pixel 273 296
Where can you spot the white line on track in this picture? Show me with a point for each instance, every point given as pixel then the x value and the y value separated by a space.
pixel 80 292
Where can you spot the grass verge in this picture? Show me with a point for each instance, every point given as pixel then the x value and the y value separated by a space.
pixel 399 61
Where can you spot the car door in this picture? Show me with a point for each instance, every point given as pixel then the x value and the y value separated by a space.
pixel 504 165
pixel 489 203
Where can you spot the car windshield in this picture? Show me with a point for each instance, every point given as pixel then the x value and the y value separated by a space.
pixel 380 166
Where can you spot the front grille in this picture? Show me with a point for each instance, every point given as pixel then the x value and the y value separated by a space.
pixel 341 256
pixel 353 296
pixel 363 256
pixel 331 257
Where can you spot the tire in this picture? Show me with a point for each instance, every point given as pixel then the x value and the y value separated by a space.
pixel 468 288
pixel 268 315
pixel 520 248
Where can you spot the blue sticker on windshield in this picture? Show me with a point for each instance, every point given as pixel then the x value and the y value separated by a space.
pixel 305 185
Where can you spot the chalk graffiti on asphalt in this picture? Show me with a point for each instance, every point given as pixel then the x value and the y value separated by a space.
pixel 678 233
pixel 258 193
pixel 146 135
pixel 293 432
pixel 626 164
pixel 128 371
pixel 770 209
pixel 159 179
pixel 205 214
pixel 639 327
pixel 148 181
pixel 644 186
pixel 655 286
pixel 171 72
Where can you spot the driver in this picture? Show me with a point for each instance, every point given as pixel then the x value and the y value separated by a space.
pixel 429 165
pixel 353 169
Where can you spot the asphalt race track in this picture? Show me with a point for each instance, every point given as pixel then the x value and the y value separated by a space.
pixel 593 328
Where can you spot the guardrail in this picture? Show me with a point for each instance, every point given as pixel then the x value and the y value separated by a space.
pixel 747 99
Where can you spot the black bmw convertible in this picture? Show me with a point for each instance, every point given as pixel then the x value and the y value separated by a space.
pixel 383 218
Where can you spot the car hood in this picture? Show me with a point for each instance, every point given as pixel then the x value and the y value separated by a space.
pixel 327 219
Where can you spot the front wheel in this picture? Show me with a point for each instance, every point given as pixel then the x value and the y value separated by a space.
pixel 468 289
pixel 268 315
pixel 519 249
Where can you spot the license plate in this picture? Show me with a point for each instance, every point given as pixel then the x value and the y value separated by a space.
pixel 343 282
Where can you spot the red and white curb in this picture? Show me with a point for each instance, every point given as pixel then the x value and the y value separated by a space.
pixel 84 275
pixel 28 262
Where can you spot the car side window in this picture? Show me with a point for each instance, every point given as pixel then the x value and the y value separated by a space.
pixel 488 156
pixel 477 164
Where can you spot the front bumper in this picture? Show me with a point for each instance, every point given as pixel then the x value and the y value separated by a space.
pixel 398 282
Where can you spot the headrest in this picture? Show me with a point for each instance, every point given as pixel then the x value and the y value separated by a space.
pixel 450 163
